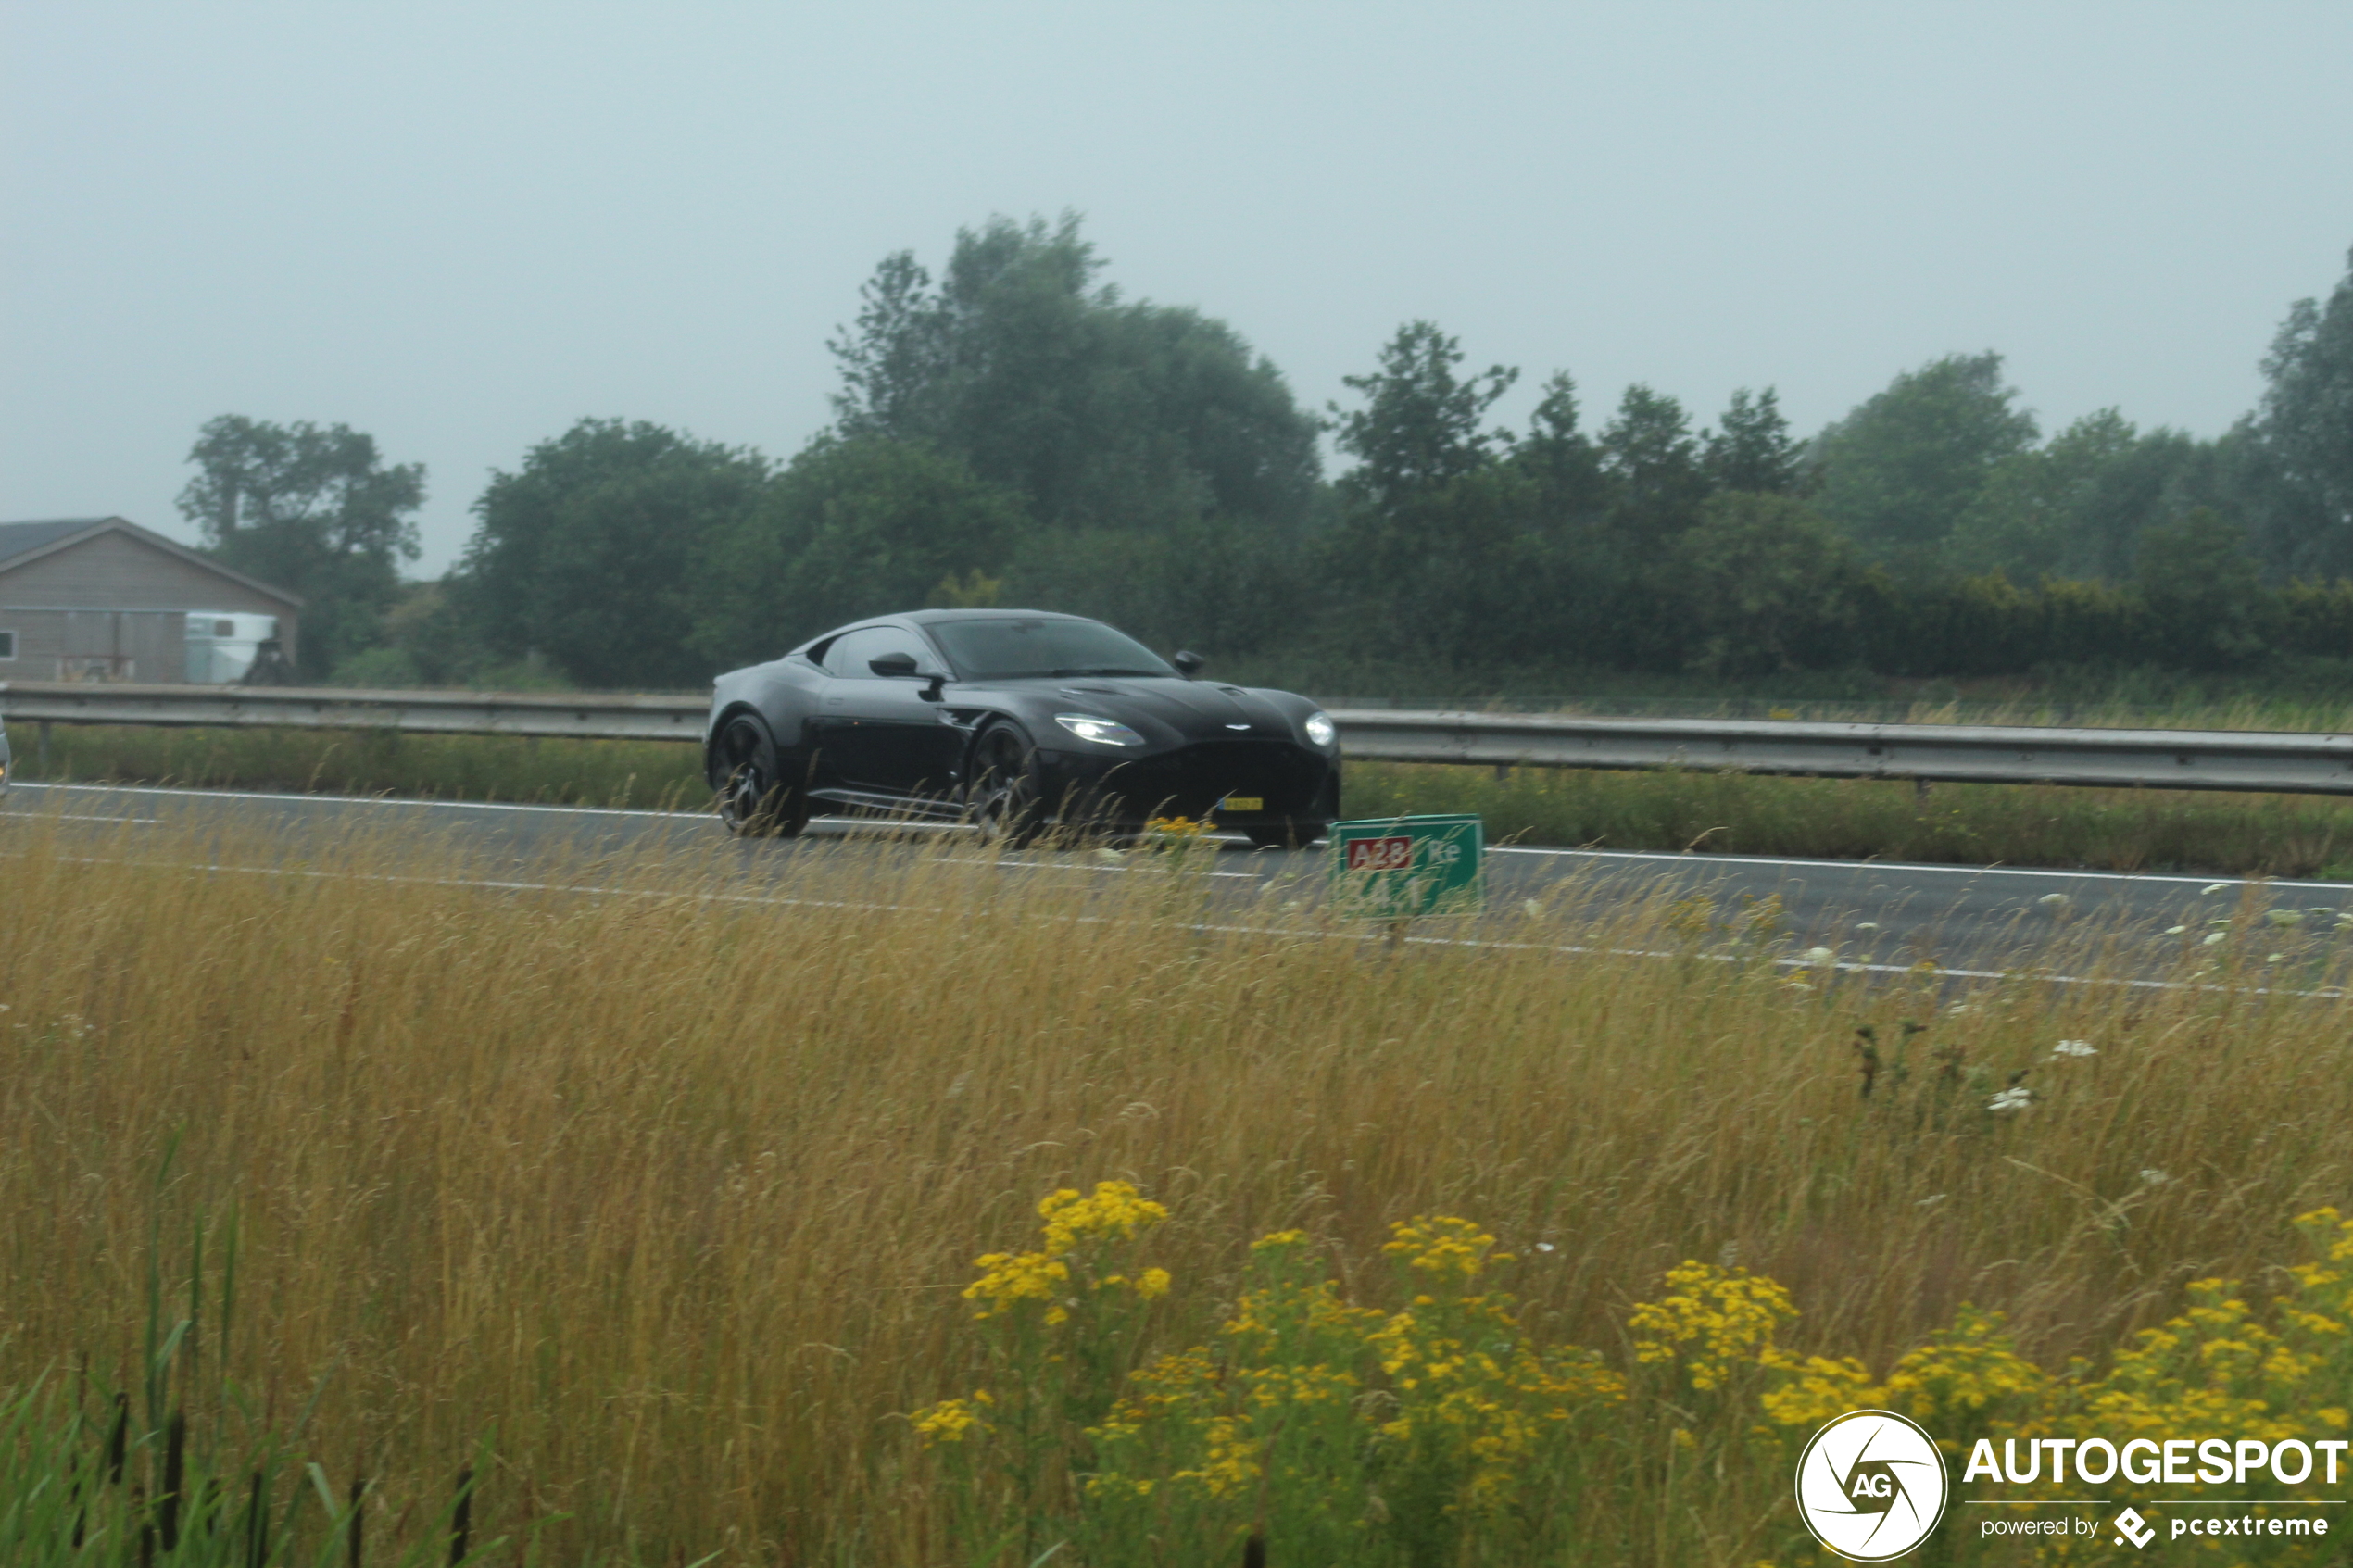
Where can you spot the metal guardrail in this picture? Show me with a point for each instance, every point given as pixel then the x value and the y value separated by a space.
pixel 2230 759
pixel 611 716
pixel 2225 760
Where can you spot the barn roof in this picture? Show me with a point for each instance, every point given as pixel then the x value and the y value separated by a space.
pixel 19 542
pixel 16 538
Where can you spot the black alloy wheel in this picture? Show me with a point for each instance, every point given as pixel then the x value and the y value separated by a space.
pixel 1006 788
pixel 754 800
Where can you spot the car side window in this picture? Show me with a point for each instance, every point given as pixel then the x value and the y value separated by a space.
pixel 849 654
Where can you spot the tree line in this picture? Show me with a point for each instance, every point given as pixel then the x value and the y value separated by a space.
pixel 1015 430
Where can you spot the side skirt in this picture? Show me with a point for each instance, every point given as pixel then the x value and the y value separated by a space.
pixel 927 807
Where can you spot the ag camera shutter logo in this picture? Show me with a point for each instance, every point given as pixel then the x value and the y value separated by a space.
pixel 1871 1486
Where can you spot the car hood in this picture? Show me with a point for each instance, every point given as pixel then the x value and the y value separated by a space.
pixel 1195 709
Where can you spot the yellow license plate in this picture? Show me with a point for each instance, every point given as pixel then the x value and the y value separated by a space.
pixel 1242 803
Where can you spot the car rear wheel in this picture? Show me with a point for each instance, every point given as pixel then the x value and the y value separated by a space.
pixel 1006 789
pixel 754 801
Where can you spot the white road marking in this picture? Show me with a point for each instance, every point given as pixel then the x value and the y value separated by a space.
pixel 838 824
pixel 1750 862
pixel 1757 861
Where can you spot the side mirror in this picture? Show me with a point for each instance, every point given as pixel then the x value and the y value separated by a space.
pixel 1188 663
pixel 893 664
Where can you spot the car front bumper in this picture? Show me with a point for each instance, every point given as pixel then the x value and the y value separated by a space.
pixel 1291 784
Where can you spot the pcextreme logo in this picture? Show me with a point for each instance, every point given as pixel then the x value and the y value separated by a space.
pixel 1871 1486
pixel 2133 1530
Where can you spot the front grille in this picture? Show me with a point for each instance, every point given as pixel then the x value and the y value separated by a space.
pixel 1191 782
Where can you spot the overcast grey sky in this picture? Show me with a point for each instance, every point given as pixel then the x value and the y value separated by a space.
pixel 460 226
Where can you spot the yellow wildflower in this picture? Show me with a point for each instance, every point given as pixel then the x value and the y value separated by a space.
pixel 1444 1246
pixel 1819 1388
pixel 1114 1209
pixel 1012 1277
pixel 1713 1320
pixel 949 1420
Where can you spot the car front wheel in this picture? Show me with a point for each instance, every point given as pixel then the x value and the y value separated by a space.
pixel 1006 788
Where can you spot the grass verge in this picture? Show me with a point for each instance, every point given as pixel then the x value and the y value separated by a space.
pixel 677 1187
pixel 650 775
pixel 2295 835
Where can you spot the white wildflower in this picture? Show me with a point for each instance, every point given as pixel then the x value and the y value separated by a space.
pixel 2213 937
pixel 2175 930
pixel 1545 1247
pixel 2275 958
pixel 2154 1177
pixel 2054 900
pixel 1866 925
pixel 1818 954
pixel 2014 1098
pixel 1930 1201
pixel 2074 1047
pixel 2211 889
pixel 1531 908
pixel 2284 917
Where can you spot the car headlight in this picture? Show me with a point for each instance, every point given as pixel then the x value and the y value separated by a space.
pixel 1320 729
pixel 1102 731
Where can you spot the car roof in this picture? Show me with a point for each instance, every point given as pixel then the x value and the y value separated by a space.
pixel 933 617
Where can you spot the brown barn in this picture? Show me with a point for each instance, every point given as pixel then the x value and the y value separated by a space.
pixel 102 598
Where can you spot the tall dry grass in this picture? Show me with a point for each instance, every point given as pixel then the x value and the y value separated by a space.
pixel 673 1187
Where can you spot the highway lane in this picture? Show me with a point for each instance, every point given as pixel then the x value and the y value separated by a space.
pixel 1872 914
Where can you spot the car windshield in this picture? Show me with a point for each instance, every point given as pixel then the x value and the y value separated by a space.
pixel 1005 649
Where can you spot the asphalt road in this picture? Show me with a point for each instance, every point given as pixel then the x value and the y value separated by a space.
pixel 1872 915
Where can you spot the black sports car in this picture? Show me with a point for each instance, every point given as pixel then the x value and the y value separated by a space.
pixel 1018 721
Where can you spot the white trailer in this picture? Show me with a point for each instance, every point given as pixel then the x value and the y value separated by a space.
pixel 222 644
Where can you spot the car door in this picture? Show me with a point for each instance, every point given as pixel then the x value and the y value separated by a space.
pixel 879 734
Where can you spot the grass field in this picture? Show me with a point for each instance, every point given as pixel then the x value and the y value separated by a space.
pixel 573 772
pixel 671 1193
pixel 2117 829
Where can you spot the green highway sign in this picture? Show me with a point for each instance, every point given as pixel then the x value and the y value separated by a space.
pixel 1394 868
